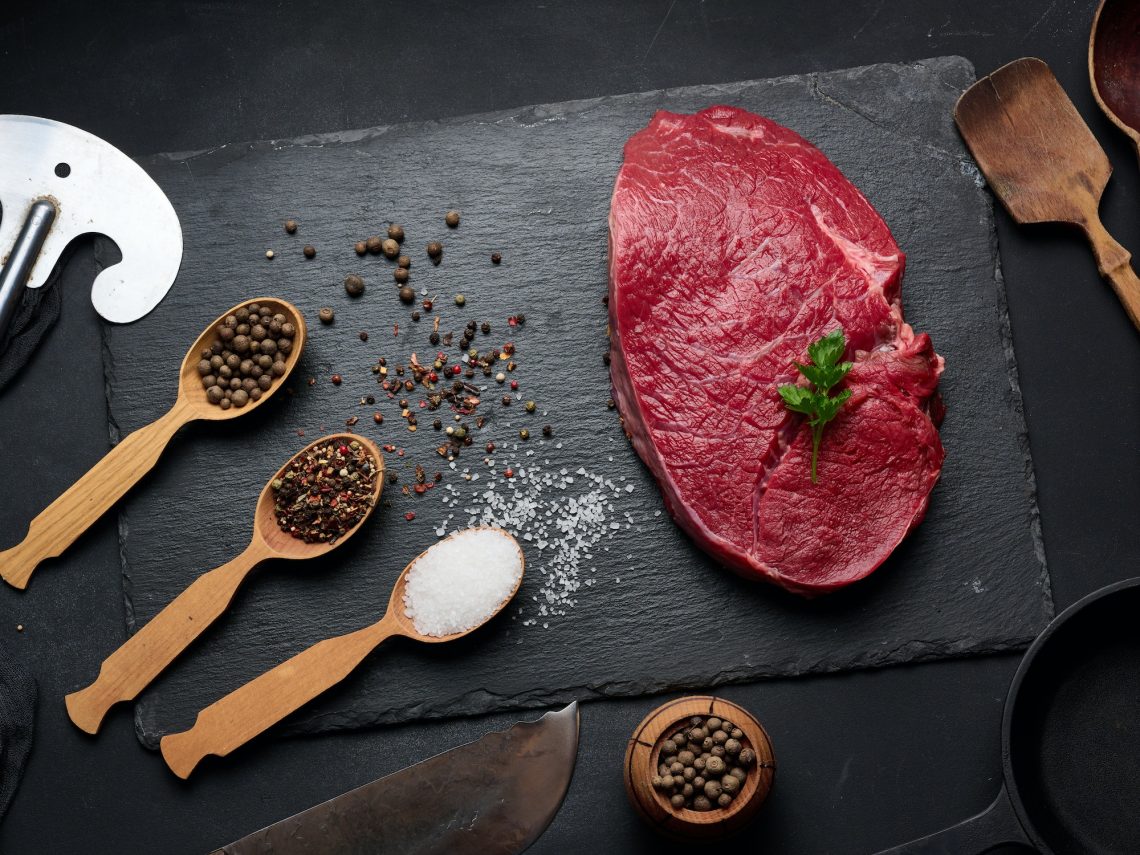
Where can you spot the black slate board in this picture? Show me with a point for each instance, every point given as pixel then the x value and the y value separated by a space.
pixel 535 184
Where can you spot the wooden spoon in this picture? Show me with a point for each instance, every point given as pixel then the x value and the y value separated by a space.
pixel 1114 64
pixel 241 715
pixel 1042 161
pixel 65 519
pixel 144 656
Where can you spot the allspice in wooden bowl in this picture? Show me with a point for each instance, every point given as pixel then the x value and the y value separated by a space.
pixel 680 758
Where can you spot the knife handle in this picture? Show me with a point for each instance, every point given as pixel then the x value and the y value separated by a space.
pixel 248 711
pixel 62 522
pixel 144 656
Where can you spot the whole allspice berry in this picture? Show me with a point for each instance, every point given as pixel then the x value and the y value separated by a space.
pixel 325 314
pixel 452 219
pixel 407 295
pixel 715 766
pixel 390 248
pixel 403 261
pixel 702 803
pixel 309 251
pixel 396 232
pixel 361 247
pixel 291 227
pixel 400 274
pixel 435 250
pixel 747 757
pixel 353 285
pixel 374 244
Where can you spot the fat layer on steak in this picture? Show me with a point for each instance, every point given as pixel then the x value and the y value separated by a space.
pixel 734 244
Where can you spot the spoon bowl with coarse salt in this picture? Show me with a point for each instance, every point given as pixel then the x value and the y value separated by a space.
pixel 445 593
pixel 62 522
pixel 349 469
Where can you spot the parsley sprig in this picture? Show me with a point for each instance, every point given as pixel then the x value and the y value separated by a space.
pixel 814 400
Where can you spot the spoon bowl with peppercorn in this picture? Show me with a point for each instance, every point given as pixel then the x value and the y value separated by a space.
pixel 445 593
pixel 312 505
pixel 251 349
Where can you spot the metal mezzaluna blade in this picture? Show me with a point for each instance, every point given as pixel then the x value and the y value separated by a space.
pixel 494 796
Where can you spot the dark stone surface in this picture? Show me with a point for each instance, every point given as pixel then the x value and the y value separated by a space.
pixel 868 759
pixel 535 184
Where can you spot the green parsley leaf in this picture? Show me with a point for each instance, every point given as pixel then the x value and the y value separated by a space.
pixel 814 401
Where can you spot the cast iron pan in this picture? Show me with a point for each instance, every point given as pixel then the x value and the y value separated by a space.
pixel 1070 740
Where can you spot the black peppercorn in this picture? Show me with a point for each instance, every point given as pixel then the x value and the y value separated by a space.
pixel 353 285
pixel 496 257
pixel 506 400
pixel 437 424
pixel 415 316
pixel 547 431
pixel 434 338
pixel 309 251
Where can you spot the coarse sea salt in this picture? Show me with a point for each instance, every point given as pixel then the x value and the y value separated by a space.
pixel 462 581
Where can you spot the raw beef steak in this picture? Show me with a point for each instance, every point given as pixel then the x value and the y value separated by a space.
pixel 734 244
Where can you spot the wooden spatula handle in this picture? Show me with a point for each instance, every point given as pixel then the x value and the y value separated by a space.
pixel 144 656
pixel 1115 265
pixel 65 519
pixel 245 712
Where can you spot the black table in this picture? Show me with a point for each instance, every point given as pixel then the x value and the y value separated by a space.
pixel 867 759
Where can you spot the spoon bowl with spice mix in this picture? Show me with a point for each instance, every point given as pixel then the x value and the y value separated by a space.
pixel 314 503
pixel 234 366
pixel 446 592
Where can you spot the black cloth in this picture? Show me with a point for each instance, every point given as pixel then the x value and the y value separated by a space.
pixel 17 714
pixel 38 312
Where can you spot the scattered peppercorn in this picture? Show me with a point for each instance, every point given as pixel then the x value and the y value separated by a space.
pixel 407 295
pixel 415 316
pixel 378 418
pixel 361 247
pixel 396 233
pixel 336 379
pixel 269 254
pixel 434 338
pixel 404 262
pixel 524 434
pixel 363 335
pixel 460 300
pixel 434 250
pixel 353 285
pixel 400 274
pixel 547 431
pixel 490 448
pixel 437 424
pixel 530 406
pixel 291 227
pixel 375 244
pixel 390 248
pixel 496 257
pixel 309 251
pixel 452 219
pixel 506 400
pixel 427 304
pixel 326 315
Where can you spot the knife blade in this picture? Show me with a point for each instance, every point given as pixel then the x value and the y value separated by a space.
pixel 493 796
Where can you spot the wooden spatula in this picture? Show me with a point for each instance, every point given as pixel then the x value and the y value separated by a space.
pixel 1042 161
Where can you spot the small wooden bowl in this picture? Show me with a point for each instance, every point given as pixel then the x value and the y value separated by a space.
pixel 641 761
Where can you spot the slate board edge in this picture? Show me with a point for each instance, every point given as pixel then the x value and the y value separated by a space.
pixel 923 651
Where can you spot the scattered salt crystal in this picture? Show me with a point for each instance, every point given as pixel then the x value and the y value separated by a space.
pixel 460 582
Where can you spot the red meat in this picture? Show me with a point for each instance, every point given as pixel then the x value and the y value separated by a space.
pixel 734 244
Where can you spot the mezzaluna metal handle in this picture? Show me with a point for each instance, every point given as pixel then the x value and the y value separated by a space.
pixel 21 260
